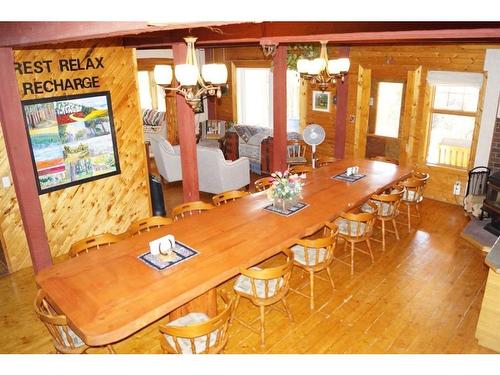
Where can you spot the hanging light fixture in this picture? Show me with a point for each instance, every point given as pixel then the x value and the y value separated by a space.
pixel 193 85
pixel 322 71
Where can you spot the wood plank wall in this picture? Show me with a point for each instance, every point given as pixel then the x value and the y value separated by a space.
pixel 399 60
pixel 105 205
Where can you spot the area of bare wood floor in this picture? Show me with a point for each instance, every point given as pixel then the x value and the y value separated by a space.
pixel 423 295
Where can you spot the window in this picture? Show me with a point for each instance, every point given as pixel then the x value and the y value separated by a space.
pixel 388 112
pixel 151 95
pixel 452 120
pixel 254 96
pixel 292 100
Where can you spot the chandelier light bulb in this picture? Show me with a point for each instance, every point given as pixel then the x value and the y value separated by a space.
pixel 302 65
pixel 333 66
pixel 163 74
pixel 344 64
pixel 186 74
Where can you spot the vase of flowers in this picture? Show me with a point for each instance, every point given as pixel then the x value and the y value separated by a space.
pixel 285 190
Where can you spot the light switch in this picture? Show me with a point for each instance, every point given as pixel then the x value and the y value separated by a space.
pixel 6 181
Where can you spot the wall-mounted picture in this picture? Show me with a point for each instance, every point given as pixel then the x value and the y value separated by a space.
pixel 321 101
pixel 72 139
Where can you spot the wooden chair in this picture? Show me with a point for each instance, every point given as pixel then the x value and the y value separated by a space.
pixel 263 183
pixel 145 225
pixel 264 287
pixel 387 210
pixel 64 339
pixel 92 243
pixel 190 333
pixel 299 169
pixel 296 153
pixel 180 211
pixel 355 228
pixel 412 196
pixel 228 196
pixel 421 176
pixel 320 162
pixel 314 256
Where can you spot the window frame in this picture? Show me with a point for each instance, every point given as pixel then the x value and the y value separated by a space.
pixel 430 92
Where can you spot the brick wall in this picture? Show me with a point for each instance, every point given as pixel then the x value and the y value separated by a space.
pixel 494 161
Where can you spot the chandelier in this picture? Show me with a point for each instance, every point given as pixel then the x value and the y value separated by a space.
pixel 322 71
pixel 193 85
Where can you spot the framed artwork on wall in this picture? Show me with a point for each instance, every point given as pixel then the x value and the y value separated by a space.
pixel 321 101
pixel 72 139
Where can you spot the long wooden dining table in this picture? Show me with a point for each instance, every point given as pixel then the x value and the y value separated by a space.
pixel 110 294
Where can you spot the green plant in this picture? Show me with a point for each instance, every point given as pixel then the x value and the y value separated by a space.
pixel 297 51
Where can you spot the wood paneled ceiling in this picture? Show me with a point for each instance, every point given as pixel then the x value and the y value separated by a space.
pixel 210 34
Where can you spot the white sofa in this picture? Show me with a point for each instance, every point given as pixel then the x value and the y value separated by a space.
pixel 216 174
pixel 167 158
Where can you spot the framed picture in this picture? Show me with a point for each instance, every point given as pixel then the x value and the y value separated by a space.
pixel 321 101
pixel 72 139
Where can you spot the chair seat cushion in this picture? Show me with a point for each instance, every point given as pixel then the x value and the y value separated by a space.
pixel 344 226
pixel 77 341
pixel 300 257
pixel 387 209
pixel 200 343
pixel 244 285
pixel 408 195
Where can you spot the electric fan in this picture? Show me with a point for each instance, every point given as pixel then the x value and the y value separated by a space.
pixel 313 135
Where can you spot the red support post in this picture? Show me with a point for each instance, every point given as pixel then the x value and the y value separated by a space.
pixel 212 109
pixel 186 131
pixel 341 114
pixel 21 166
pixel 279 109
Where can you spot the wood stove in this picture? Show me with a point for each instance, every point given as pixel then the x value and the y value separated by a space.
pixel 491 204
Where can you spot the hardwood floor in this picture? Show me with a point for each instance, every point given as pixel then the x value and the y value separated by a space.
pixel 422 295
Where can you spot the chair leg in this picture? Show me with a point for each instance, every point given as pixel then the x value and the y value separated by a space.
pixel 235 307
pixel 395 228
pixel 262 333
pixel 110 348
pixel 418 212
pixel 290 316
pixel 383 235
pixel 330 277
pixel 352 258
pixel 409 218
pixel 311 282
pixel 370 248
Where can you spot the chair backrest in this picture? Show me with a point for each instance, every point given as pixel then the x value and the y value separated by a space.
pixel 190 208
pixel 263 183
pixel 296 149
pixel 388 203
pixel 360 225
pixel 92 243
pixel 385 158
pixel 414 190
pixel 213 331
pixel 146 224
pixel 299 169
pixel 228 196
pixel 63 338
pixel 420 176
pixel 313 248
pixel 274 281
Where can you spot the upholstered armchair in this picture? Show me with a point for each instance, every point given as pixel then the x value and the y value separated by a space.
pixel 167 158
pixel 216 174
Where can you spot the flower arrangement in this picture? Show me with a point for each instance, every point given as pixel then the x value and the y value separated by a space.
pixel 285 187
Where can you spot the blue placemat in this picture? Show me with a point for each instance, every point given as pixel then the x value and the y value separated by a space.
pixel 182 252
pixel 299 206
pixel 352 178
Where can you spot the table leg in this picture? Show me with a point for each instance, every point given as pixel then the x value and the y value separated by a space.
pixel 206 303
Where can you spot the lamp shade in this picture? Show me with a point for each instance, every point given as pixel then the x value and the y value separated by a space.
pixel 333 66
pixel 344 64
pixel 302 65
pixel 214 73
pixel 186 74
pixel 316 66
pixel 163 74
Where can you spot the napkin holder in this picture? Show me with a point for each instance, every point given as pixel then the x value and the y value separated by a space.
pixel 163 247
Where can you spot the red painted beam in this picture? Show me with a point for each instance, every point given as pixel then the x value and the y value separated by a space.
pixel 212 109
pixel 279 108
pixel 341 113
pixel 186 131
pixel 21 167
